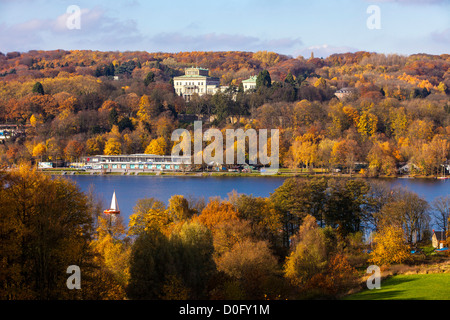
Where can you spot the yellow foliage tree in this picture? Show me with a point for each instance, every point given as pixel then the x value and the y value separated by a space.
pixel 157 146
pixel 267 58
pixel 39 150
pixel 421 130
pixel 148 214
pixel 367 124
pixel 320 83
pixel 35 120
pixel 179 209
pixel 304 152
pixel 112 147
pixel 45 227
pixel 390 246
pixel 114 251
pixel 95 145
pixel 352 114
pixel 68 104
pixel 308 256
pixel 147 109
pixel 382 158
pixel 442 87
pixel 399 122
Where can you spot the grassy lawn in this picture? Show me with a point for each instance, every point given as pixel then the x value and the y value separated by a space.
pixel 409 287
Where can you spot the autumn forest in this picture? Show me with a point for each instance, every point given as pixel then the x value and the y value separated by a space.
pixel 307 240
pixel 77 103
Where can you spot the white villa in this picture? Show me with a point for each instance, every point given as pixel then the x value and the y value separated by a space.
pixel 250 83
pixel 196 80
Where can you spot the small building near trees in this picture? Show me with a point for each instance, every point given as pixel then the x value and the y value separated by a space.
pixel 345 92
pixel 439 239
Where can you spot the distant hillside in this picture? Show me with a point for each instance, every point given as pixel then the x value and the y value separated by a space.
pixel 383 111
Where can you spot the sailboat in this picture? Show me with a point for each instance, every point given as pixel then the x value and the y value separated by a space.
pixel 444 177
pixel 114 209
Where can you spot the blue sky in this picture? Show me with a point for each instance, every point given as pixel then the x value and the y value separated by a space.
pixel 293 27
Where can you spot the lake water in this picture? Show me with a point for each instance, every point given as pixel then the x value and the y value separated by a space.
pixel 129 189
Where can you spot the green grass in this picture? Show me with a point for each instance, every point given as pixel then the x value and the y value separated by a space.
pixel 409 287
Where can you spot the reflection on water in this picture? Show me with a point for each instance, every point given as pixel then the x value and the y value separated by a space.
pixel 131 188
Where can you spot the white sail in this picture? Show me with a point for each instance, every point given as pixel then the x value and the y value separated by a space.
pixel 114 203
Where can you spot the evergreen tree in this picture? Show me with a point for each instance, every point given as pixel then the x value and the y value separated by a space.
pixel 290 79
pixel 241 88
pixel 149 78
pixel 125 123
pixel 263 80
pixel 109 70
pixel 38 88
pixel 113 117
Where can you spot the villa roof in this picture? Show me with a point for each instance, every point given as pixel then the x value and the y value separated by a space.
pixel 192 76
pixel 347 89
pixel 196 77
pixel 198 68
pixel 251 79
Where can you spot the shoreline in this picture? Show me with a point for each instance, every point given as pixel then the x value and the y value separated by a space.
pixel 289 174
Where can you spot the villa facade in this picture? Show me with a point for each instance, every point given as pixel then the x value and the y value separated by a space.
pixel 249 84
pixel 195 81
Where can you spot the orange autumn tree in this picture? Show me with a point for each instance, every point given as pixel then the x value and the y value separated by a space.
pixel 73 150
pixel 338 277
pixel 383 158
pixel 216 212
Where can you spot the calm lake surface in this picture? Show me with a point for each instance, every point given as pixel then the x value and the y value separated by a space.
pixel 129 189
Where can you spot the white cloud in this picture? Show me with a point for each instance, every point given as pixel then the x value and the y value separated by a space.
pixel 178 41
pixel 96 29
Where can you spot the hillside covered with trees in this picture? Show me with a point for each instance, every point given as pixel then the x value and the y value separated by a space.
pixel 76 103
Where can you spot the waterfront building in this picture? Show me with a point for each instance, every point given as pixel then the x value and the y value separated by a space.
pixel 137 162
